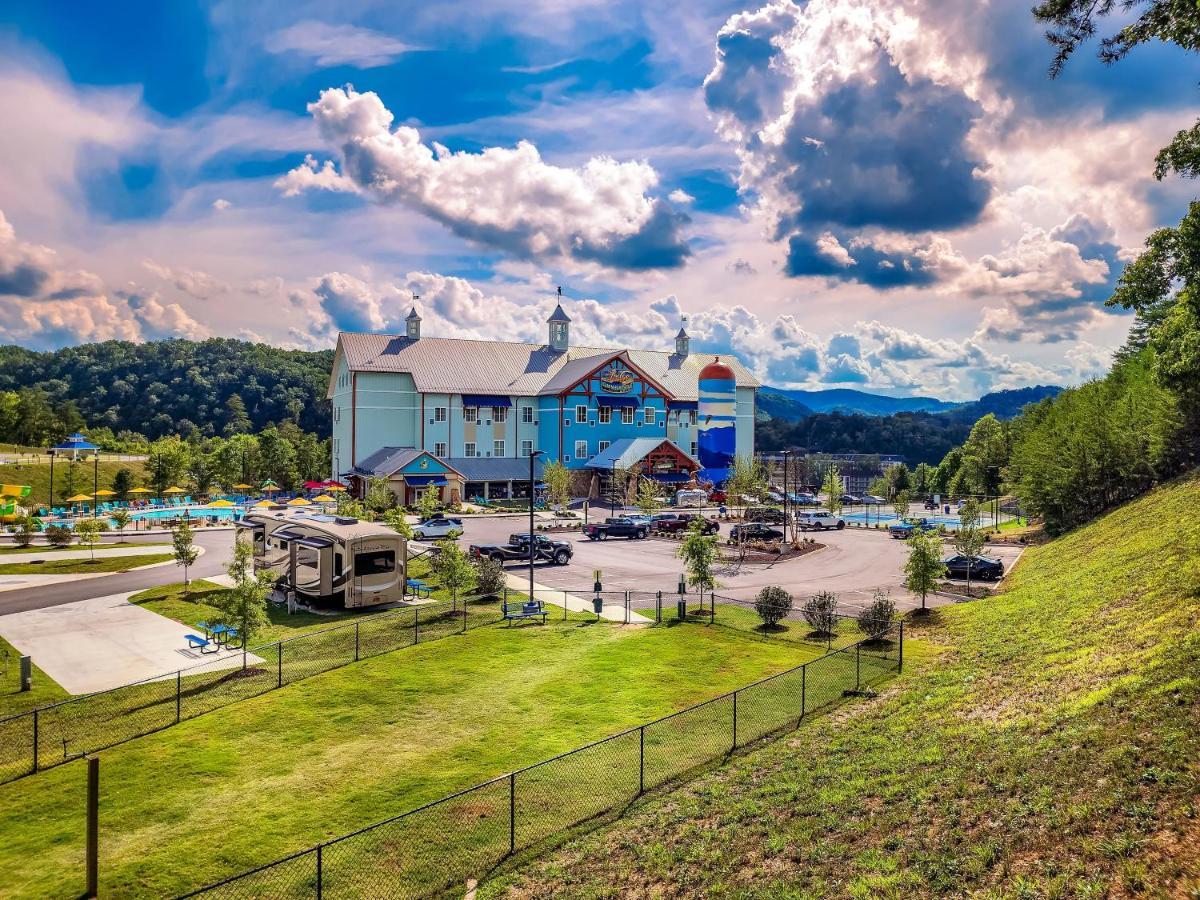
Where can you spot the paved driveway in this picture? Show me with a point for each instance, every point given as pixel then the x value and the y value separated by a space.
pixel 853 564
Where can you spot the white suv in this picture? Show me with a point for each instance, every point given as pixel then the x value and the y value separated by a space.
pixel 818 521
pixel 435 529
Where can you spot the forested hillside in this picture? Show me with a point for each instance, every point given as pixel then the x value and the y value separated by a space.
pixel 918 436
pixel 217 386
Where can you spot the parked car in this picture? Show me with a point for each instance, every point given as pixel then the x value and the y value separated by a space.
pixel 775 496
pixel 437 528
pixel 544 550
pixel 673 523
pixel 984 568
pixel 640 518
pixel 690 498
pixel 851 500
pixel 716 497
pixel 874 500
pixel 929 504
pixel 766 514
pixel 619 527
pixel 805 498
pixel 754 531
pixel 903 530
pixel 819 520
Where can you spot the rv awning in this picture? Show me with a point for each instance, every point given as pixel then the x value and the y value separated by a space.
pixel 425 480
pixel 283 534
pixel 671 477
pixel 616 401
pixel 313 543
pixel 247 523
pixel 683 404
pixel 485 400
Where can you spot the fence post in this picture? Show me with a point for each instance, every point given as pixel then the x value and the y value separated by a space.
pixel 803 689
pixel 734 747
pixel 512 812
pixel 900 664
pixel 627 607
pixel 178 693
pixel 858 666
pixel 658 608
pixel 93 827
pixel 641 760
pixel 356 642
pixel 35 741
pixel 320 872
pixel 279 665
pixel 416 626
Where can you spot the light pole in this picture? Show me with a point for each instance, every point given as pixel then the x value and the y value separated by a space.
pixel 612 486
pixel 532 456
pixel 786 458
pixel 50 504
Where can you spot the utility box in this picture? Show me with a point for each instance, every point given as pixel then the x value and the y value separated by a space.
pixel 597 604
pixel 681 608
pixel 26 673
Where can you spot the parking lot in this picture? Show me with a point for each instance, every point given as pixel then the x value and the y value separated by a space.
pixel 854 564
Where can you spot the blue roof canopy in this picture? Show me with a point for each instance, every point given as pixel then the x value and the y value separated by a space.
pixel 75 442
pixel 605 400
pixel 425 480
pixel 485 400
pixel 682 404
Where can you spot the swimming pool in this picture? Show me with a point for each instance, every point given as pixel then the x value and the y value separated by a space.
pixel 176 512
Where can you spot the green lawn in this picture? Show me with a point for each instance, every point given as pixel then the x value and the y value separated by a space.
pixel 276 773
pixel 83 566
pixel 50 551
pixel 37 476
pixel 12 699
pixel 1050 749
pixel 746 621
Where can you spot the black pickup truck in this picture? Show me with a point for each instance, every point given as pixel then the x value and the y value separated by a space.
pixel 619 527
pixel 558 553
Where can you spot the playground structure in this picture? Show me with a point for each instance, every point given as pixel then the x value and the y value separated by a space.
pixel 10 510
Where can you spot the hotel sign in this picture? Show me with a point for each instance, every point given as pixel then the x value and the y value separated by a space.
pixel 616 379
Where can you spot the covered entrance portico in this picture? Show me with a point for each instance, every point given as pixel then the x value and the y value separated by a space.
pixel 497 478
pixel 654 458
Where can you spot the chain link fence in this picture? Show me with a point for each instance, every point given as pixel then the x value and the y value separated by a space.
pixel 51 735
pixel 438 847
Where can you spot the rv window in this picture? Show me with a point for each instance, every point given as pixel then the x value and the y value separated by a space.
pixel 375 563
pixel 337 564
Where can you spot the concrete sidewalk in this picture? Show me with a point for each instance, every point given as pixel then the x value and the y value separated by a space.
pixel 105 642
pixel 613 612
pixel 102 552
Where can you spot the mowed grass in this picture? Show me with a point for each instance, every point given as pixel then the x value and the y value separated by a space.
pixel 46 550
pixel 37 476
pixel 274 774
pixel 12 699
pixel 1050 749
pixel 83 566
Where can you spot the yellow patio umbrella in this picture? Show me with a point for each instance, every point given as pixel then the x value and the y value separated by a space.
pixel 140 491
pixel 262 503
pixel 105 492
pixel 174 490
pixel 221 504
pixel 299 501
pixel 79 498
pixel 268 488
pixel 243 487
pixel 324 498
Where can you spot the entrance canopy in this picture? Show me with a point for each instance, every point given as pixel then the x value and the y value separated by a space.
pixel 652 456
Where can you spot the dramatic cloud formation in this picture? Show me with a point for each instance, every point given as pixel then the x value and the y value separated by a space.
pixel 337 45
pixel 200 285
pixel 501 197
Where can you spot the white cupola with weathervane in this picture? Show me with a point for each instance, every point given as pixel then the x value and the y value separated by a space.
pixel 412 324
pixel 682 341
pixel 560 327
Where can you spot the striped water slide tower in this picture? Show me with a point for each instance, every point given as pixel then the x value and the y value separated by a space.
pixel 716 443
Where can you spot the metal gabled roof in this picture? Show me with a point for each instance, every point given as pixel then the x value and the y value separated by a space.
pixel 458 365
pixel 626 452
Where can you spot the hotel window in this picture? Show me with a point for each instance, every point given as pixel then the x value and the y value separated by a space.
pixel 500 415
pixel 581 450
pixel 604 416
pixel 602 446
pixel 470 414
pixel 469 448
pixel 693 448
pixel 648 413
pixel 692 416
pixel 626 415
pixel 581 413
pixel 526 448
pixel 526 415
pixel 497 448
pixel 439 449
pixel 439 414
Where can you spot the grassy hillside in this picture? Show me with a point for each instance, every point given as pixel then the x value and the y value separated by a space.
pixel 1052 749
pixel 37 476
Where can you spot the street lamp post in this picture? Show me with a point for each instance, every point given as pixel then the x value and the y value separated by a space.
pixel 786 454
pixel 50 503
pixel 612 486
pixel 532 456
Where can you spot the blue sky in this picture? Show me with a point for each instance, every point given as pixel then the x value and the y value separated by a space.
pixel 842 192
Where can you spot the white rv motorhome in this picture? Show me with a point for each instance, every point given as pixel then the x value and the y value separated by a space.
pixel 328 560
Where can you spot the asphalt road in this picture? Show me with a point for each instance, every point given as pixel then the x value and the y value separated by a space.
pixel 218 549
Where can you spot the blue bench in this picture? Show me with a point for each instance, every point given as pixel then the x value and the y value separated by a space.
pixel 417 587
pixel 531 609
pixel 195 642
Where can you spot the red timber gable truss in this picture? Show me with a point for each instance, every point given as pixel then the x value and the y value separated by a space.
pixel 582 387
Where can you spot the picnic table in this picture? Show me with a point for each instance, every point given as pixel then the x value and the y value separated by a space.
pixel 419 587
pixel 219 634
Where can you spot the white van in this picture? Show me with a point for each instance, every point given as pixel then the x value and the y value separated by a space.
pixel 820 520
pixel 691 498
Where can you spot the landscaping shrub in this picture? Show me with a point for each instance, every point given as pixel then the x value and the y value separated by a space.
pixel 59 535
pixel 772 604
pixel 23 533
pixel 877 617
pixel 820 612
pixel 489 577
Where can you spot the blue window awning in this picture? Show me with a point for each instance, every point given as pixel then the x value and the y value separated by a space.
pixel 485 400
pixel 683 404
pixel 671 477
pixel 616 401
pixel 425 480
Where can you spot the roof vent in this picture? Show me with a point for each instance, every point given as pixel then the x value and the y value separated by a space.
pixel 346 520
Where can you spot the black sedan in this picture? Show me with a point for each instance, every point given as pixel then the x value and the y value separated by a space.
pixel 754 531
pixel 982 568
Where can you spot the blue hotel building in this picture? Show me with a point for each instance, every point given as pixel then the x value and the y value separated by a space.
pixel 463 416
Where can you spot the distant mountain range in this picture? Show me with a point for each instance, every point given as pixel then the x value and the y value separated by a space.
pixel 793 405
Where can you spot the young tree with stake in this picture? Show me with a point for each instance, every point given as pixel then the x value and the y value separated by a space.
pixel 244 606
pixel 832 486
pixel 453 569
pixel 699 554
pixel 88 532
pixel 924 565
pixel 970 538
pixel 183 549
